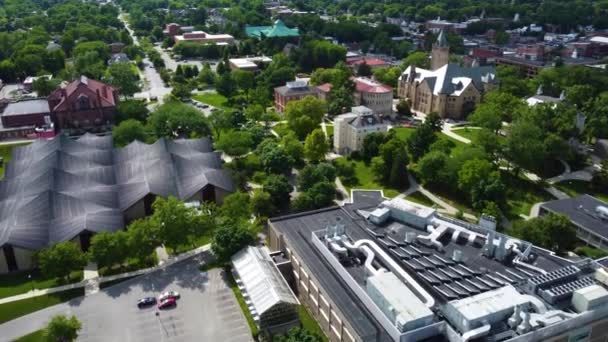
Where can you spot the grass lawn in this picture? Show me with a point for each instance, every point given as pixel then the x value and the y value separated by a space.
pixel 404 132
pixel 241 300
pixel 36 336
pixel 213 99
pixel 522 194
pixel 5 153
pixel 12 310
pixel 309 323
pixel 419 198
pixel 18 283
pixel 578 187
pixel 281 129
pixel 365 178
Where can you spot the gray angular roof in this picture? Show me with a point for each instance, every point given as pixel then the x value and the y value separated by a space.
pixel 55 189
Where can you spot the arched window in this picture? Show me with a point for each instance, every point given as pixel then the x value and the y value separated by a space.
pixel 83 102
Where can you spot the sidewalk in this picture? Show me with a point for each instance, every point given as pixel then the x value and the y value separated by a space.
pixel 95 281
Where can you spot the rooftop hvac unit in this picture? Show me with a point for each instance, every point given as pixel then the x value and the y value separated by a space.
pixel 563 274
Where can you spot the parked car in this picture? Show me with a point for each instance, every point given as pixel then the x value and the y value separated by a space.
pixel 168 294
pixel 167 303
pixel 147 301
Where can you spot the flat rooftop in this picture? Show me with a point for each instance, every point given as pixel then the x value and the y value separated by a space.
pixel 582 211
pixel 27 107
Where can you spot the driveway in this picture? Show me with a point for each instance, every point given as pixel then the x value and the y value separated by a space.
pixel 207 310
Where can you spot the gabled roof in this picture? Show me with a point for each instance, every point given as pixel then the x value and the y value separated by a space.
pixel 263 283
pixel 64 93
pixel 55 189
pixel 451 79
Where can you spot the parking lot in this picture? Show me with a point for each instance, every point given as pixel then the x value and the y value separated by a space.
pixel 206 311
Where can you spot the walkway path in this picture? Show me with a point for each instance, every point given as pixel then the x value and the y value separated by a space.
pixel 98 280
pixel 91 279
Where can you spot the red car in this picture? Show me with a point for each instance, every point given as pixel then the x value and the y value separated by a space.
pixel 167 303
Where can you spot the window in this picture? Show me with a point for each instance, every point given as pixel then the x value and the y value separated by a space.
pixel 83 102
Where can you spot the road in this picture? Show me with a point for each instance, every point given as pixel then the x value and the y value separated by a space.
pixel 172 64
pixel 207 310
pixel 154 85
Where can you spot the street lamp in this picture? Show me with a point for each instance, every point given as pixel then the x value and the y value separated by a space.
pixel 29 279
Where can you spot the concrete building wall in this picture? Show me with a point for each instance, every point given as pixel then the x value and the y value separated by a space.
pixel 220 194
pixel 333 322
pixel 24 258
pixel 136 211
pixel 379 103
pixel 3 264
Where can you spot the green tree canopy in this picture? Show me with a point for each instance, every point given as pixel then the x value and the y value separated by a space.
pixel 550 231
pixel 175 119
pixel 62 328
pixel 129 131
pixel 303 116
pixel 60 259
pixel 316 146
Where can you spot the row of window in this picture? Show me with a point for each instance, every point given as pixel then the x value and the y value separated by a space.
pixel 309 292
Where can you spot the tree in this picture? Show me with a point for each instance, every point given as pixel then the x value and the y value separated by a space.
pixel 364 70
pixel 124 77
pixel 43 86
pixel 315 173
pixel 225 85
pixel 340 99
pixel 371 145
pixel 261 204
pixel 236 206
pixel 322 194
pixel 108 249
pixel 274 157
pixel 129 131
pixel 254 112
pixel 315 146
pixel 143 238
pixel 398 176
pixel 432 169
pixel 293 147
pixel 552 231
pixel 221 120
pixel 175 221
pixel 524 145
pixel 433 120
pixel 403 108
pixel 419 59
pixel 229 238
pixel 62 328
pixel 175 119
pixel 298 335
pixel 244 80
pixel 131 109
pixel 483 184
pixel 279 189
pixel 60 259
pixel 420 141
pixel 388 76
pixel 303 116
pixel 235 143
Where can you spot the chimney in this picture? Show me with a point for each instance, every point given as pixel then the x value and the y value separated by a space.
pixel 501 251
pixel 488 248
pixel 457 256
pixel 410 237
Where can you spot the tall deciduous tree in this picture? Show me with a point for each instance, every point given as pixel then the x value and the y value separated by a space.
pixel 315 146
pixel 175 221
pixel 175 119
pixel 303 116
pixel 128 131
pixel 124 77
pixel 109 249
pixel 60 259
pixel 62 328
pixel 550 231
pixel 230 237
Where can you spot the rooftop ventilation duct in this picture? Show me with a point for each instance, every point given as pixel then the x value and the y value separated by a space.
pixel 457 255
pixel 488 248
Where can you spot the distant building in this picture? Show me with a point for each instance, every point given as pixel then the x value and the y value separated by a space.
pixel 278 30
pixel 373 63
pixel 292 91
pixel 204 38
pixel 451 91
pixel 248 63
pixel 526 68
pixel 588 215
pixel 351 128
pixel 119 58
pixel 372 94
pixel 68 190
pixel 116 47
pixel 28 83
pixel 174 29
pixel 541 98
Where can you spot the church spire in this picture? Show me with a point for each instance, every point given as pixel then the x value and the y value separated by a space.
pixel 442 41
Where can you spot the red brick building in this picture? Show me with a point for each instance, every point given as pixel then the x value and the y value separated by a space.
pixel 292 91
pixel 83 104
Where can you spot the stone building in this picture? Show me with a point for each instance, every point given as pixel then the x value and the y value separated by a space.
pixel 351 128
pixel 448 89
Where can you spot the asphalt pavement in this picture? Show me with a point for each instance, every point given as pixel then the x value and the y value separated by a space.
pixel 206 311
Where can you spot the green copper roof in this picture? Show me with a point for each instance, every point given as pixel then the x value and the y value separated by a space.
pixel 277 30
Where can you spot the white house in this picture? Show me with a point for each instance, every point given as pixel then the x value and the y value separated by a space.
pixel 351 128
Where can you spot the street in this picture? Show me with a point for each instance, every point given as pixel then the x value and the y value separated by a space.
pixel 206 311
